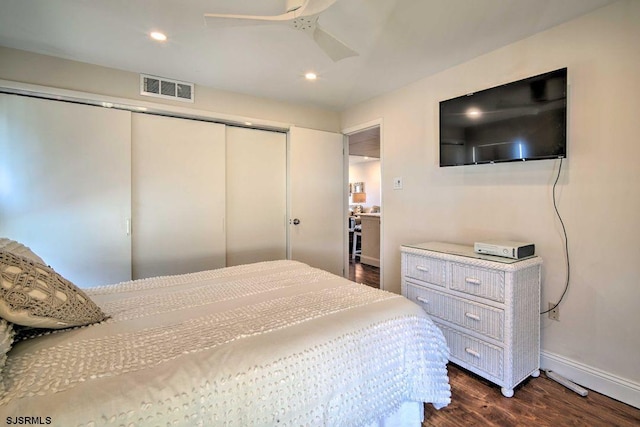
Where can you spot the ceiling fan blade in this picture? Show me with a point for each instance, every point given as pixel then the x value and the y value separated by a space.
pixel 295 9
pixel 214 17
pixel 334 48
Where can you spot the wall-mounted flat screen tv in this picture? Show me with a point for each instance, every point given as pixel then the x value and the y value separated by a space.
pixel 522 120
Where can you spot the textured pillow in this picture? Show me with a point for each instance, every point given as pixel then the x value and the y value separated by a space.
pixel 19 249
pixel 33 294
pixel 6 339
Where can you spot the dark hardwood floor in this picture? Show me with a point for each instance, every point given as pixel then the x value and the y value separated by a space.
pixel 363 273
pixel 537 402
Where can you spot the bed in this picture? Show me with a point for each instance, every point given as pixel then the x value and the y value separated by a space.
pixel 271 343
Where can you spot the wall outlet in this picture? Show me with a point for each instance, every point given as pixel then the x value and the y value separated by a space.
pixel 554 313
pixel 397 183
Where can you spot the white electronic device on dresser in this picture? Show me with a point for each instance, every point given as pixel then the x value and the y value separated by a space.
pixel 487 307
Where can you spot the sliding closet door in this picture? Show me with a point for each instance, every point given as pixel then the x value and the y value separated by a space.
pixel 317 197
pixel 178 195
pixel 65 186
pixel 256 195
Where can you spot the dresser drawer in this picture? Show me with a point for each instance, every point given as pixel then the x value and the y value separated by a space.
pixel 478 281
pixel 467 350
pixel 473 316
pixel 425 269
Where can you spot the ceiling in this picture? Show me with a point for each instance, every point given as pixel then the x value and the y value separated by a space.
pixel 398 41
pixel 365 143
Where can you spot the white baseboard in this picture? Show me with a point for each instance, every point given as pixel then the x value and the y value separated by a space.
pixel 592 378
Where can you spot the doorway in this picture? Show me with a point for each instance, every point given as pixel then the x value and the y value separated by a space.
pixel 365 206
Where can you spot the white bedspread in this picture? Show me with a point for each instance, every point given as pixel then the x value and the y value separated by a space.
pixel 261 344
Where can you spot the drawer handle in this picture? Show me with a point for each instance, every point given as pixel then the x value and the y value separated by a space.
pixel 472 281
pixel 420 268
pixel 472 352
pixel 472 316
pixel 422 300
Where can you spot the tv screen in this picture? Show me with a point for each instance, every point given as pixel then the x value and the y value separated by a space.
pixel 522 120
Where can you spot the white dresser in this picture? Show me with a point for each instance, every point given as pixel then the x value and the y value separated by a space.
pixel 487 307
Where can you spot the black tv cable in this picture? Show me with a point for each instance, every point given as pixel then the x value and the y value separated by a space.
pixel 566 242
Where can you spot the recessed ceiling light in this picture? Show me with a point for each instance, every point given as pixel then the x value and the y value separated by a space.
pixel 158 36
pixel 311 76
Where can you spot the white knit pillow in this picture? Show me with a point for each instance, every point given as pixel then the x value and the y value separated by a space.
pixel 32 294
pixel 6 339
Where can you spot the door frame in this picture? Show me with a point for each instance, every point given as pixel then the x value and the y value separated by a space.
pixel 347 132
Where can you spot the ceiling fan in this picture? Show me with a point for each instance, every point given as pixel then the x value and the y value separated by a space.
pixel 301 15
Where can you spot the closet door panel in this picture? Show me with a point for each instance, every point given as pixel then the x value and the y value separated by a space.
pixel 178 195
pixel 256 195
pixel 65 186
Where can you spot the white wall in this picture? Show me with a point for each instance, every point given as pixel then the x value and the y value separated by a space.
pixel 32 68
pixel 369 173
pixel 599 190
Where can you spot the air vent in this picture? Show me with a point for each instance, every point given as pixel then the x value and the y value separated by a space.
pixel 166 88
